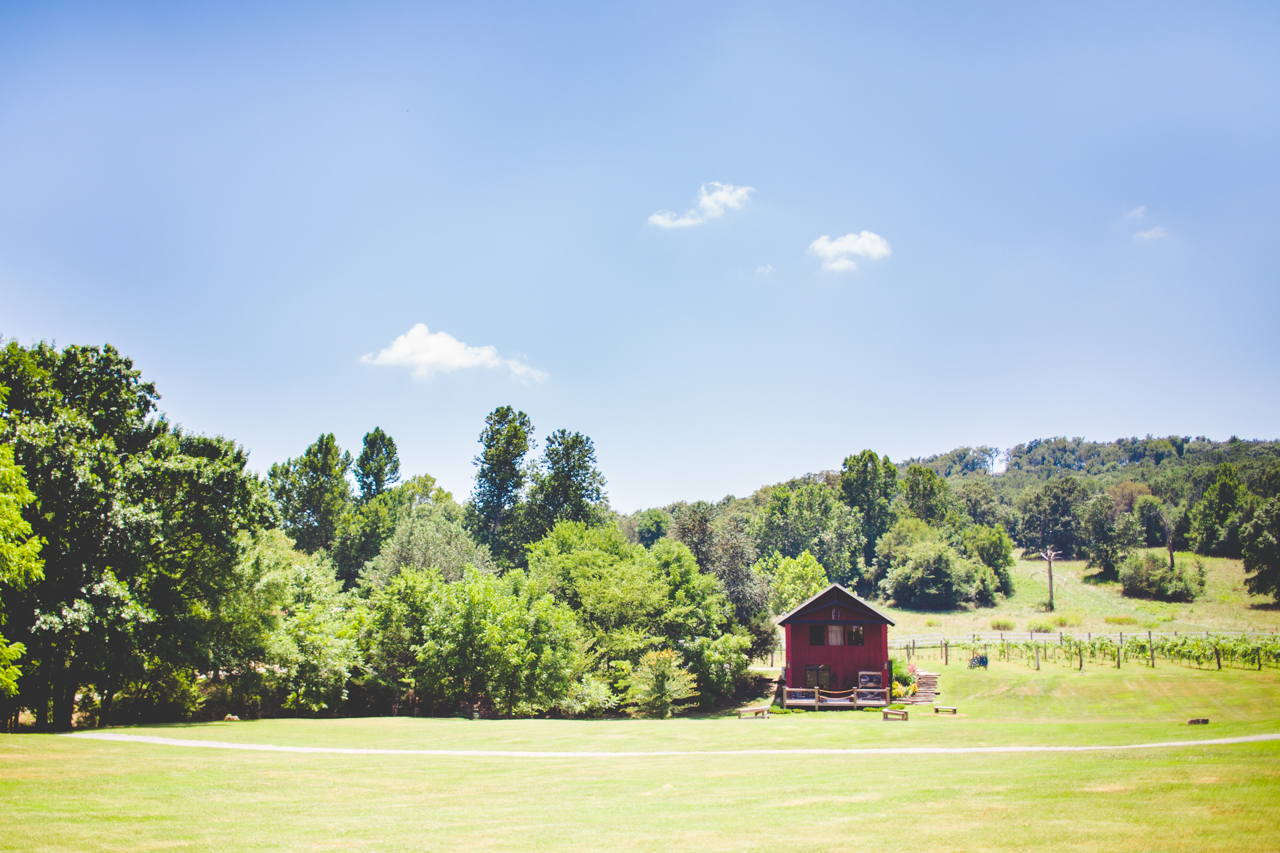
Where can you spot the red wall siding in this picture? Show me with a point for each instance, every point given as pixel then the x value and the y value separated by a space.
pixel 845 661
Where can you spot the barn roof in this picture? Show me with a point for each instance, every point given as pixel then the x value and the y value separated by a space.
pixel 835 594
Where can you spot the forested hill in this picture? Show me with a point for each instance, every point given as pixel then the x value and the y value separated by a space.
pixel 1181 467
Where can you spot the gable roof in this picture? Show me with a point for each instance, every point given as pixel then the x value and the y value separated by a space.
pixel 835 594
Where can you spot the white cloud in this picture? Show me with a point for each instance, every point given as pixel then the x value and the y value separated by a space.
pixel 709 205
pixel 1136 213
pixel 837 254
pixel 764 270
pixel 429 353
pixel 1156 233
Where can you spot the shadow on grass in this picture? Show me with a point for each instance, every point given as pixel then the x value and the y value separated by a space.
pixel 1102 576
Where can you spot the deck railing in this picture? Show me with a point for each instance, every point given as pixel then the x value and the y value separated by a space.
pixel 816 697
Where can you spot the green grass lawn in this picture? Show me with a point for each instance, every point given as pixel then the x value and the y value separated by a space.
pixel 59 793
pixel 1089 602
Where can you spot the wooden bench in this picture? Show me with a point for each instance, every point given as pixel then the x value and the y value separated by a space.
pixel 758 711
pixel 892 714
pixel 938 709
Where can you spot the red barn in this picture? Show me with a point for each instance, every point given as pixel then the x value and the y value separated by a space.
pixel 837 651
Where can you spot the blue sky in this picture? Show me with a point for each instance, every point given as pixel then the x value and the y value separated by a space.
pixel 1039 219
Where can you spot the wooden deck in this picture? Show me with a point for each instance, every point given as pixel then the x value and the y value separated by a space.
pixel 833 700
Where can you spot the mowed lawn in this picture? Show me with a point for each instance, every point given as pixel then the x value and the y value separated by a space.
pixel 59 793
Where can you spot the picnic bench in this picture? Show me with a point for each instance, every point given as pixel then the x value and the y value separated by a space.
pixel 938 709
pixel 757 711
pixel 892 714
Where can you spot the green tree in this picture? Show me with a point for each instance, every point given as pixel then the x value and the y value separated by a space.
pixel 366 526
pixel 314 646
pixel 1150 512
pixel 933 576
pixel 993 547
pixel 692 525
pixel 792 580
pixel 429 537
pixel 501 476
pixel 651 526
pixel 925 494
pixel 313 493
pixel 630 601
pixel 139 522
pixel 20 561
pixel 378 466
pixel 697 619
pixel 1052 517
pixel 869 485
pixel 1215 520
pixel 811 518
pixel 398 615
pixel 977 500
pixel 497 640
pixel 567 486
pixel 1107 535
pixel 1260 541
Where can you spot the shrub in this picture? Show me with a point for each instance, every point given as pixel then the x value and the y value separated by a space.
pixel 1002 624
pixel 993 547
pixel 892 547
pixel 932 575
pixel 658 682
pixel 587 697
pixel 901 674
pixel 1149 576
pixel 1121 620
pixel 933 623
pixel 1067 620
pixel 981 580
pixel 1040 626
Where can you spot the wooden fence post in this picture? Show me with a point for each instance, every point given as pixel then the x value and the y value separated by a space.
pixel 1119 649
pixel 1151 647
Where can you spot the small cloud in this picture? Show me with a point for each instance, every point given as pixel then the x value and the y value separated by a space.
pixel 429 353
pixel 1156 233
pixel 764 270
pixel 836 254
pixel 709 205
pixel 1136 213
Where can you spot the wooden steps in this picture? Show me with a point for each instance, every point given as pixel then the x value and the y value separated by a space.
pixel 926 688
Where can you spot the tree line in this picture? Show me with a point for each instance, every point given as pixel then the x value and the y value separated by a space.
pixel 146 573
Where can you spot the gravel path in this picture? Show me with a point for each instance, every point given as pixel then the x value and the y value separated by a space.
pixel 508 753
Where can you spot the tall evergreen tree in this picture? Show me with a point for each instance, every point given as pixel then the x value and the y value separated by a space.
pixel 501 476
pixel 567 487
pixel 378 466
pixel 313 493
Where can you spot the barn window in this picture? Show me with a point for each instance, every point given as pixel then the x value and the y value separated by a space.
pixel 817 676
pixel 835 635
pixel 853 636
pixel 817 635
